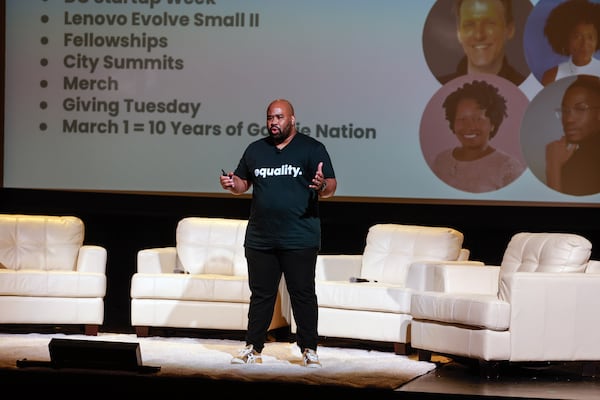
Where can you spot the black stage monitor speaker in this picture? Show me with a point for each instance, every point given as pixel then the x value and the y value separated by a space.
pixel 73 353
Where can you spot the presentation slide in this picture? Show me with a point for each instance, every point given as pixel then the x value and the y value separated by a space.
pixel 415 100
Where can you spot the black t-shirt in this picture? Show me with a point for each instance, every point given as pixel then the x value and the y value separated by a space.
pixel 581 173
pixel 507 72
pixel 285 211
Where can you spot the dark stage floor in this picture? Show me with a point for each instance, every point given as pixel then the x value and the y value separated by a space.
pixel 461 380
pixel 452 379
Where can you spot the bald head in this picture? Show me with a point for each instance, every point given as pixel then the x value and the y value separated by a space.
pixel 282 103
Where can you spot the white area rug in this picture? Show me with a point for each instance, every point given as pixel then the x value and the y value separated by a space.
pixel 210 358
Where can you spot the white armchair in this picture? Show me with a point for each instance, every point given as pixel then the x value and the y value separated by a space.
pixel 540 304
pixel 47 275
pixel 201 282
pixel 394 263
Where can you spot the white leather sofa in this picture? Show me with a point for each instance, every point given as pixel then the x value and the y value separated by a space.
pixel 47 275
pixel 394 263
pixel 540 305
pixel 201 282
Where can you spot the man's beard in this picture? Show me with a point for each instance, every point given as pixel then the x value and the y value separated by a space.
pixel 279 138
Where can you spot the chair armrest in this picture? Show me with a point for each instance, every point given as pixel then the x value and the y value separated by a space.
pixel 464 255
pixel 453 277
pixel 593 267
pixel 338 267
pixel 156 261
pixel 92 258
pixel 555 313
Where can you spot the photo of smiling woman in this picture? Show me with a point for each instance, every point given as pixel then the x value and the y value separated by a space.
pixel 475 113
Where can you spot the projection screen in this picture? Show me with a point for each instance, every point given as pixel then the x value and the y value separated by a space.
pixel 160 95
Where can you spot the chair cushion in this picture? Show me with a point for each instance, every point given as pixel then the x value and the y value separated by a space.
pixel 39 242
pixel 36 283
pixel 391 248
pixel 546 252
pixel 369 296
pixel 542 252
pixel 212 246
pixel 475 310
pixel 205 287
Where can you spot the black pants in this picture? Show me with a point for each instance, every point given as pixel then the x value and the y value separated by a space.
pixel 265 268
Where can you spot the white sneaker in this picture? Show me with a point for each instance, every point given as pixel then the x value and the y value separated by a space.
pixel 311 359
pixel 247 355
